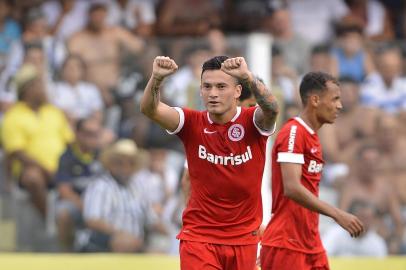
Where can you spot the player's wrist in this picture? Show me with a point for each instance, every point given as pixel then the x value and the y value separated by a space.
pixel 157 77
pixel 248 77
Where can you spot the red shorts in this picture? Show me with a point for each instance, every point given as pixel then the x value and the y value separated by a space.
pixel 206 256
pixel 274 258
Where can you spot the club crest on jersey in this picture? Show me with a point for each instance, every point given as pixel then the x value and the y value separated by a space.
pixel 236 132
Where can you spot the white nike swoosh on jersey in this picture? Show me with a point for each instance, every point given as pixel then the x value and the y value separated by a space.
pixel 313 150
pixel 208 132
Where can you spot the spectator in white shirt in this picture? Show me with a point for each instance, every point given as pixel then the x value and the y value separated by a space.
pixel 137 16
pixel 79 99
pixel 65 17
pixel 338 242
pixel 386 89
pixel 313 19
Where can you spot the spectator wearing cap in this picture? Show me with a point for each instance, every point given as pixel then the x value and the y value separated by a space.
pixel 115 209
pixel 78 166
pixel 34 135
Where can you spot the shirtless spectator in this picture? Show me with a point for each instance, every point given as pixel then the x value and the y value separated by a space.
pixel 200 16
pixel 101 47
pixel 392 152
pixel 341 140
pixel 366 184
pixel 373 17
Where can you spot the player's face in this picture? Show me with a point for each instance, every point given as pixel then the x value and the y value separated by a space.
pixel 219 91
pixel 329 104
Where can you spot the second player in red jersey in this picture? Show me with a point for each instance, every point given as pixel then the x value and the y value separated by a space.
pixel 225 148
pixel 291 239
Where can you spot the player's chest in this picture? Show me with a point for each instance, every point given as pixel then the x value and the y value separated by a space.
pixel 313 157
pixel 223 138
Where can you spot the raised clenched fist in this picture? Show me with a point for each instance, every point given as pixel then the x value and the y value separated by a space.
pixel 163 66
pixel 237 67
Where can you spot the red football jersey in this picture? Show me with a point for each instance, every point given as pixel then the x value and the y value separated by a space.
pixel 226 164
pixel 293 226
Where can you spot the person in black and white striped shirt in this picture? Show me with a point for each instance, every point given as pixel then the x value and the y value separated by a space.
pixel 115 210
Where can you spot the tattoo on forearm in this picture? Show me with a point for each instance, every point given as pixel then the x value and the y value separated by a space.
pixel 155 91
pixel 264 98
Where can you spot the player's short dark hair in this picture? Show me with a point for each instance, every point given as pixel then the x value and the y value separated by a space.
pixel 214 63
pixel 315 82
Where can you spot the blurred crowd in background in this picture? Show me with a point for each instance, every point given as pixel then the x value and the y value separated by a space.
pixel 71 76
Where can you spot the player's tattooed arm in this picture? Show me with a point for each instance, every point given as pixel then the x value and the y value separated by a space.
pixel 151 105
pixel 265 117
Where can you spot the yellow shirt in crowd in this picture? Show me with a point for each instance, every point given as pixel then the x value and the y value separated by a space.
pixel 42 135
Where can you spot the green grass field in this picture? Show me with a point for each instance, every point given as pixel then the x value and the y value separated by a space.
pixel 30 261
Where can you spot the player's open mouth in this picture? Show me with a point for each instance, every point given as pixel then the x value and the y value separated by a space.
pixel 213 103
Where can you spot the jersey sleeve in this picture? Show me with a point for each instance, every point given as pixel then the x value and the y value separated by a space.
pixel 181 121
pixel 291 145
pixel 262 131
pixel 187 120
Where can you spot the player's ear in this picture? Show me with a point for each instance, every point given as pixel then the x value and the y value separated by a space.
pixel 238 89
pixel 314 100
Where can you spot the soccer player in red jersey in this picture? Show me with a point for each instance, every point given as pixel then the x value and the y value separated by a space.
pixel 291 239
pixel 225 148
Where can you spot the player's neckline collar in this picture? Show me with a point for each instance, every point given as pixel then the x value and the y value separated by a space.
pixel 303 123
pixel 232 120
